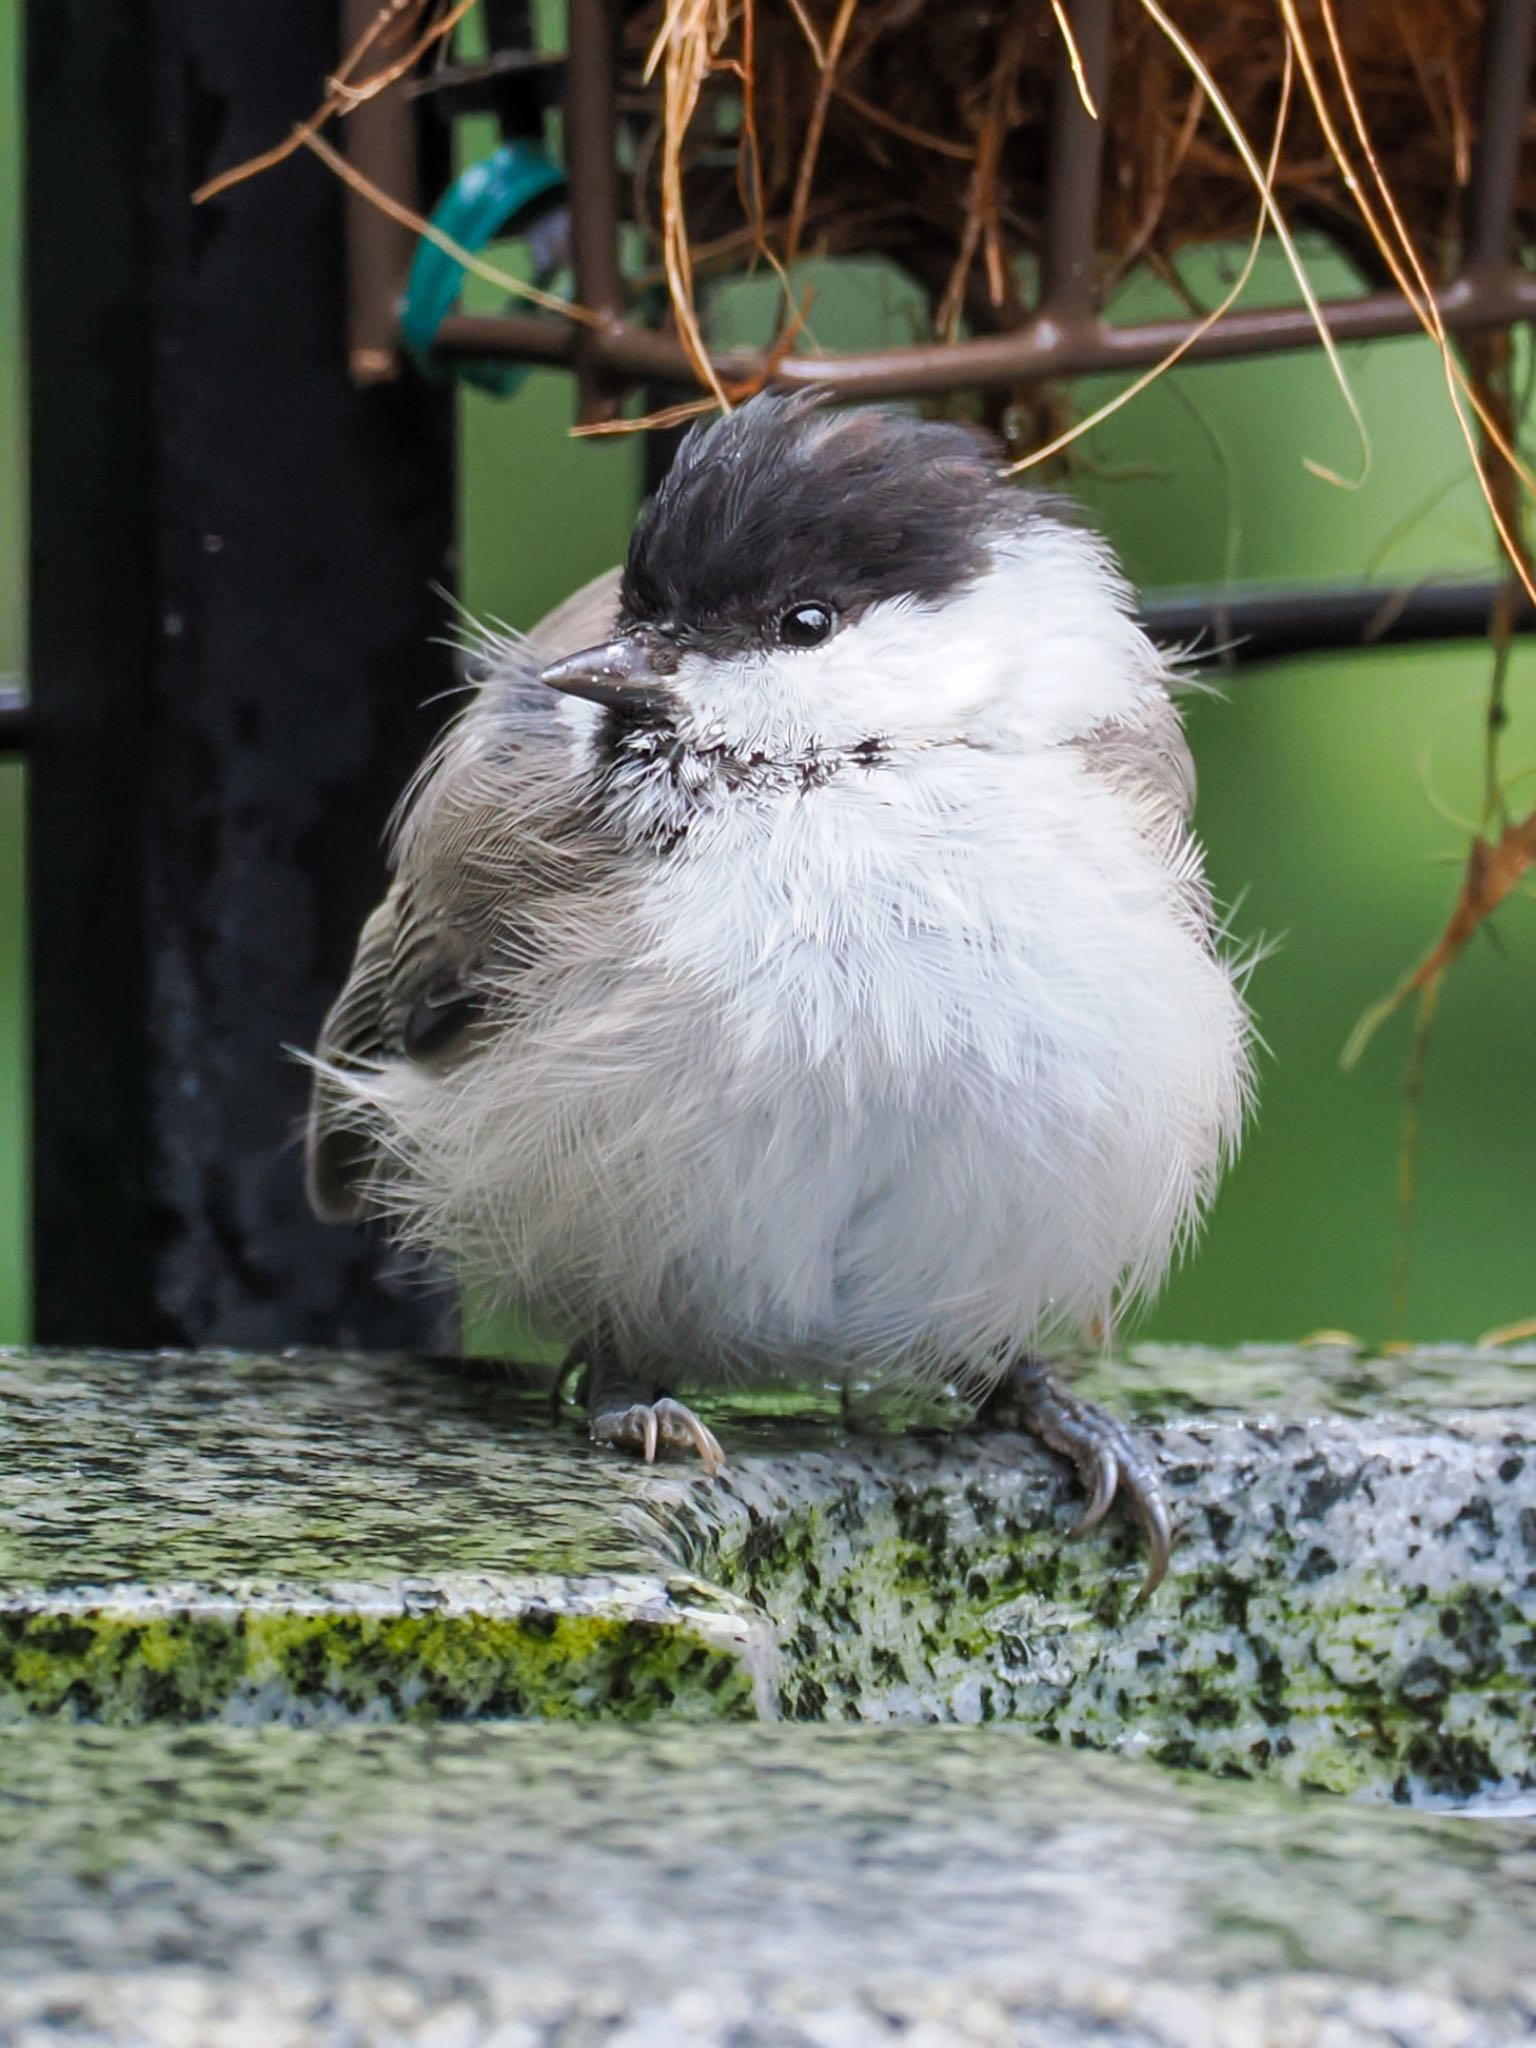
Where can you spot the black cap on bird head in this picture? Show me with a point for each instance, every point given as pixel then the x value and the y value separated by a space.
pixel 788 497
pixel 789 507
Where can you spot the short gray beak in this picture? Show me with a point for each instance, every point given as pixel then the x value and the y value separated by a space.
pixel 618 674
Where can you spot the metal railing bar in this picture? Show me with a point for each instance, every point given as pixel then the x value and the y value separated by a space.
pixel 381 143
pixel 1043 348
pixel 1503 105
pixel 1257 623
pixel 592 175
pixel 1076 168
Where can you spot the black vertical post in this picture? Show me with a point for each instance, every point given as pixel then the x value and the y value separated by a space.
pixel 233 553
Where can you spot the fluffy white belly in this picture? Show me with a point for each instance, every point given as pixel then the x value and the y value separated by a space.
pixel 869 1078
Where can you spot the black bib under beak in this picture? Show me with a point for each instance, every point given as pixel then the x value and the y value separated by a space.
pixel 618 674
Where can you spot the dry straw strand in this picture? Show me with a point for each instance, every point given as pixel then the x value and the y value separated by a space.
pixel 1277 221
pixel 684 50
pixel 1409 276
pixel 826 82
pixel 1201 326
pixel 476 265
pixel 341 96
pixel 1074 58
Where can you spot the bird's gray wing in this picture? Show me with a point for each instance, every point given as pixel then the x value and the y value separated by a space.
pixel 414 994
pixel 474 848
pixel 584 620
pixel 1145 758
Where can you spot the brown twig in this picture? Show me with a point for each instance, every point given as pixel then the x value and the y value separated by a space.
pixel 1495 866
pixel 1494 870
pixel 825 85
pixel 905 131
pixel 341 95
pixel 980 225
pixel 1409 1137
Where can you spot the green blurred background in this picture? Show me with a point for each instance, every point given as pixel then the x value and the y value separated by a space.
pixel 1316 782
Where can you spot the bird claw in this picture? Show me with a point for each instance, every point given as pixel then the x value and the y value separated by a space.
pixel 1100 1468
pixel 1111 1461
pixel 650 1426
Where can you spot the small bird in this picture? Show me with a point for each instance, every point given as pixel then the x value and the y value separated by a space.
pixel 815 972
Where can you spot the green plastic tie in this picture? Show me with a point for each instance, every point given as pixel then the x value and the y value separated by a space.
pixel 483 203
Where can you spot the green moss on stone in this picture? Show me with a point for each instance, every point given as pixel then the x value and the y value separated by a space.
pixel 269 1665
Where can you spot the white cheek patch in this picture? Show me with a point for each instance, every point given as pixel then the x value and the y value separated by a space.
pixel 1040 648
pixel 773 703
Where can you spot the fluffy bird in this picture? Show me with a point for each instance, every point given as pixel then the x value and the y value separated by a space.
pixel 815 972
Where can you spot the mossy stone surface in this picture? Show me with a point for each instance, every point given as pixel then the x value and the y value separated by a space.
pixel 331 1538
pixel 1352 1604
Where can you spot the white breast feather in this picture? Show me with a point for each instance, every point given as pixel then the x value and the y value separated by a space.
pixel 896 1071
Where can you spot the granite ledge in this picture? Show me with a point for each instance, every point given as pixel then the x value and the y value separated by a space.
pixel 325 1538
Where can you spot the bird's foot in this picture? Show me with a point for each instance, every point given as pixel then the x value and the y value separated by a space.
pixel 649 1426
pixel 1112 1462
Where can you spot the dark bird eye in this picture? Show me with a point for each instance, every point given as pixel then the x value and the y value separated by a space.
pixel 806 625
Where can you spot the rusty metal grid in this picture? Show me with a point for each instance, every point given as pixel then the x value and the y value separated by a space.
pixel 1066 334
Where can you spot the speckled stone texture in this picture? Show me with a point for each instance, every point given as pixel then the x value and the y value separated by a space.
pixel 1352 1603
pixel 544 1886
pixel 505 1859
